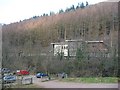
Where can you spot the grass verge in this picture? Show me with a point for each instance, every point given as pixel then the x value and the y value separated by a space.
pixel 92 80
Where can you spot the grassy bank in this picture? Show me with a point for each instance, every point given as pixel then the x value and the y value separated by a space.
pixel 92 80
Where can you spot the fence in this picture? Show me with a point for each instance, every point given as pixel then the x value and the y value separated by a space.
pixel 27 81
pixel 19 81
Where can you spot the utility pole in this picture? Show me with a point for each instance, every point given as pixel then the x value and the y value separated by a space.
pixel 111 36
pixel 65 35
pixel 1 85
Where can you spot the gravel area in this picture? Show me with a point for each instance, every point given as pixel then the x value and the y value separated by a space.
pixel 58 84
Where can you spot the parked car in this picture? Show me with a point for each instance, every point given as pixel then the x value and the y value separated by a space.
pixel 5 70
pixel 62 75
pixel 22 72
pixel 40 75
pixel 9 79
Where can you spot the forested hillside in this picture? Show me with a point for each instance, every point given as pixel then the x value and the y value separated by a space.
pixel 35 35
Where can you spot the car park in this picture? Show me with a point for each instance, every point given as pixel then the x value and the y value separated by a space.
pixel 40 75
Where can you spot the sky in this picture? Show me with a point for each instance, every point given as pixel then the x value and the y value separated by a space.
pixel 15 10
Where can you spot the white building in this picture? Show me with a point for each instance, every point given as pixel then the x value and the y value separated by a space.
pixel 70 47
pixel 59 48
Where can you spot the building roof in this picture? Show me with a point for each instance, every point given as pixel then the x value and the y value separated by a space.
pixel 79 40
pixel 94 41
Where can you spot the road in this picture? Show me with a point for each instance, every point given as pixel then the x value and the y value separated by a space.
pixel 58 84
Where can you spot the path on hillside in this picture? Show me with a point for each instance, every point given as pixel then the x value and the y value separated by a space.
pixel 58 84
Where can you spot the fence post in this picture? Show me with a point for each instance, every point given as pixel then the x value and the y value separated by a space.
pixel 31 81
pixel 21 80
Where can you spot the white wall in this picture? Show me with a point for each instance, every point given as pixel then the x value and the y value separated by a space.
pixel 61 48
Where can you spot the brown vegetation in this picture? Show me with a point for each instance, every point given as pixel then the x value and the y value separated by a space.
pixel 23 39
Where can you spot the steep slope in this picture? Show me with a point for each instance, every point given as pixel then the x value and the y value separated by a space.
pixel 95 22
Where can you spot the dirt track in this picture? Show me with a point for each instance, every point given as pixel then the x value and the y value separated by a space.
pixel 58 84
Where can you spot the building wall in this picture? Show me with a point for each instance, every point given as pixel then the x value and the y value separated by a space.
pixel 73 46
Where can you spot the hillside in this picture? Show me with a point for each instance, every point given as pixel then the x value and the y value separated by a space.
pixel 95 22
